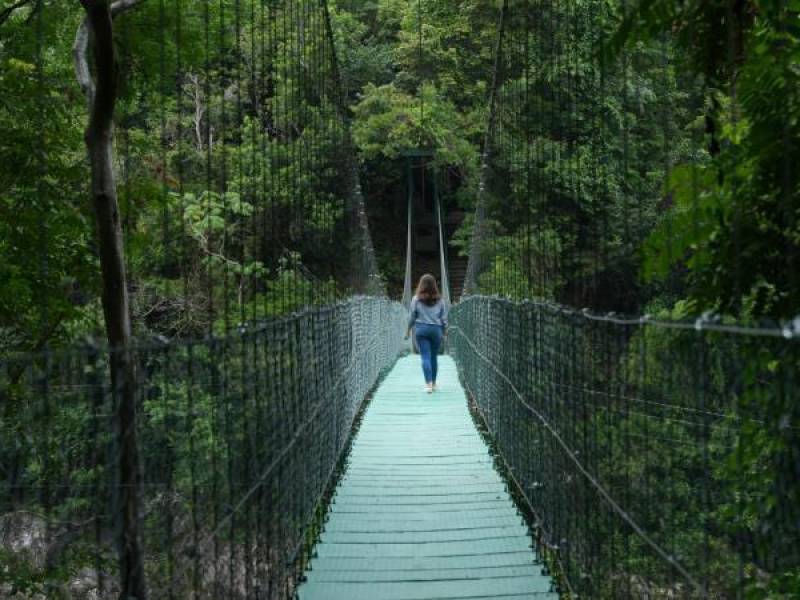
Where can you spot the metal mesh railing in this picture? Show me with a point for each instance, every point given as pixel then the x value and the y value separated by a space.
pixel 659 459
pixel 193 465
pixel 239 439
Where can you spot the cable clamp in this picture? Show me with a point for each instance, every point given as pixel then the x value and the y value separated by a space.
pixel 707 317
pixel 792 328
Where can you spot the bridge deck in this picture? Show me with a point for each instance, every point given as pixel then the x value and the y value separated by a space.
pixel 421 513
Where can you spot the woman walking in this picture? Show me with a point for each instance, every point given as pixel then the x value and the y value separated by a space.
pixel 428 318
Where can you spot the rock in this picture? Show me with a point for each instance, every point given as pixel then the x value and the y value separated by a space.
pixel 25 534
pixel 27 537
pixel 85 585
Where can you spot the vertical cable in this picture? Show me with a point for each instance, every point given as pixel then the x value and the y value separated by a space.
pixel 421 89
pixel 209 190
pixel 224 195
pixel 43 243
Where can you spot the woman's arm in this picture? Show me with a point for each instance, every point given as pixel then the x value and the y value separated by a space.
pixel 412 317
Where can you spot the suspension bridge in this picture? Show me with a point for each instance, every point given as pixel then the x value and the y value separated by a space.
pixel 273 440
pixel 420 511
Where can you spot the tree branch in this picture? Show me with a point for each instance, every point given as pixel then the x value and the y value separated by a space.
pixel 80 47
pixel 6 13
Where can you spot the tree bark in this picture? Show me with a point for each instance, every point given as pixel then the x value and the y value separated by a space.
pixel 80 49
pixel 102 96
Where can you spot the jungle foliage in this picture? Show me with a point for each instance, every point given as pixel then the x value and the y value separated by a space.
pixel 643 161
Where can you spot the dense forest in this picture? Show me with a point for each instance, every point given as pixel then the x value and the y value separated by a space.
pixel 668 110
pixel 635 156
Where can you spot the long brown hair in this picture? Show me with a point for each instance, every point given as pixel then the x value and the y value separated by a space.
pixel 427 290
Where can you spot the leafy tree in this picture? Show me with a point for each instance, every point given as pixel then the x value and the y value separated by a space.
pixel 737 214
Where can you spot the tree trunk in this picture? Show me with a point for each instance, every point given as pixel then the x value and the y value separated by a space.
pixel 99 141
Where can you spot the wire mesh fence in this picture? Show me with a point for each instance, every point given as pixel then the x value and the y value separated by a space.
pixel 659 459
pixel 239 438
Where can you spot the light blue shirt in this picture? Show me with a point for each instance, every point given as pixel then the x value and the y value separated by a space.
pixel 420 312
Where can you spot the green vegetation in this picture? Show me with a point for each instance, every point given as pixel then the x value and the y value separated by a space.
pixel 232 186
pixel 643 159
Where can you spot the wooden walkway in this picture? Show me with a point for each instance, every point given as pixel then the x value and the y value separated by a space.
pixel 421 514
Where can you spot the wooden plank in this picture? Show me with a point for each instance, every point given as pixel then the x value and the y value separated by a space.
pixel 421 513
pixel 431 564
pixel 456 574
pixel 429 536
pixel 441 522
pixel 522 587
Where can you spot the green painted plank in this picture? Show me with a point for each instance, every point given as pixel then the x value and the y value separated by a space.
pixel 393 550
pixel 419 489
pixel 455 519
pixel 441 462
pixel 425 502
pixel 416 509
pixel 427 481
pixel 394 575
pixel 438 455
pixel 427 590
pixel 420 513
pixel 428 496
pixel 443 522
pixel 420 563
pixel 426 470
pixel 429 536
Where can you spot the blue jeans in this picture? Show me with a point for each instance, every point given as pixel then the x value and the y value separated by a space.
pixel 429 339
